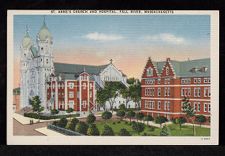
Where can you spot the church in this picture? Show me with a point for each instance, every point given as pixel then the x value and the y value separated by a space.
pixel 60 85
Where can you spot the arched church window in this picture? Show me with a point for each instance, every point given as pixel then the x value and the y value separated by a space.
pixel 149 71
pixel 167 70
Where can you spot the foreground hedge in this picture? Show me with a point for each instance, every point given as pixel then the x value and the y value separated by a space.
pixel 43 117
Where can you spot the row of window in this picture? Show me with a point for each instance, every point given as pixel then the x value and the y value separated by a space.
pixel 149 104
pixel 197 92
pixel 83 104
pixel 197 107
pixel 149 71
pixel 71 94
pixel 151 91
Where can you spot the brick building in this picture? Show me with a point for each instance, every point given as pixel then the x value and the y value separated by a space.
pixel 16 99
pixel 165 84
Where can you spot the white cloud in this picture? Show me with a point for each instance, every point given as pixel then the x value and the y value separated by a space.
pixel 103 37
pixel 166 37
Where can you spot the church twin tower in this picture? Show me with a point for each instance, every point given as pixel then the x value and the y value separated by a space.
pixel 36 65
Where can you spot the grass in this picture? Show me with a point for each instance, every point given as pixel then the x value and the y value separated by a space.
pixel 174 129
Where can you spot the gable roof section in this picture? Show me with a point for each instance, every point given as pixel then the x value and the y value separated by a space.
pixel 68 71
pixel 182 68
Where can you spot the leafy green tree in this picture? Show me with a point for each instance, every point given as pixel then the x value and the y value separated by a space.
pixel 106 115
pixel 62 122
pixel 91 118
pixel 135 91
pixel 160 120
pixel 130 114
pixel 93 130
pixel 139 116
pixel 200 119
pixel 101 98
pixel 189 111
pixel 72 124
pixel 180 121
pixel 124 132
pixel 148 118
pixel 107 131
pixel 54 111
pixel 120 113
pixel 165 131
pixel 138 127
pixel 36 105
pixel 82 127
pixel 122 107
pixel 126 94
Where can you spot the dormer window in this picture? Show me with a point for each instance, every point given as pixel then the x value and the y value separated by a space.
pixel 194 70
pixel 149 71
pixel 203 69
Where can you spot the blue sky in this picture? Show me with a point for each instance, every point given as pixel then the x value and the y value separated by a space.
pixel 91 39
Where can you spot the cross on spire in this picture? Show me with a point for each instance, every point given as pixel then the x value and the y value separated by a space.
pixel 111 61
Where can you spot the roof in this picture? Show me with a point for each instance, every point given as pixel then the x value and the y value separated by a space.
pixel 34 51
pixel 69 71
pixel 183 68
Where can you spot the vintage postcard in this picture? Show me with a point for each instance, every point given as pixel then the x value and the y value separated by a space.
pixel 105 77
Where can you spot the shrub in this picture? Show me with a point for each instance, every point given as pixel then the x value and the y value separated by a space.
pixel 160 120
pixel 165 131
pixel 138 127
pixel 62 122
pixel 69 110
pixel 144 134
pixel 72 124
pixel 81 127
pixel 130 114
pixel 54 111
pixel 139 116
pixel 93 130
pixel 113 123
pixel 106 115
pixel 126 122
pixel 44 117
pixel 200 119
pixel 148 118
pixel 150 128
pixel 118 122
pixel 120 113
pixel 91 118
pixel 173 120
pixel 124 132
pixel 107 131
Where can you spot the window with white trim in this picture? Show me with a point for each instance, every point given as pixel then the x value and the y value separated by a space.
pixel 84 104
pixel 149 71
pixel 195 106
pixel 159 91
pixel 147 104
pixel 71 85
pixel 199 107
pixel 195 80
pixel 71 104
pixel 209 107
pixel 168 91
pixel 159 105
pixel 167 70
pixel 165 105
pixel 199 80
pixel 205 107
pixel 165 91
pixel 71 94
pixel 168 105
pixel 84 85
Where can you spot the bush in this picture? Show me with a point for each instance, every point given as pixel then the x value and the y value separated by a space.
pixel 118 122
pixel 126 122
pixel 139 116
pixel 144 134
pixel 120 113
pixel 54 111
pixel 138 127
pixel 93 130
pixel 165 131
pixel 72 124
pixel 200 119
pixel 44 117
pixel 69 110
pixel 62 122
pixel 113 123
pixel 160 120
pixel 124 132
pixel 150 128
pixel 107 131
pixel 91 118
pixel 81 127
pixel 173 120
pixel 106 115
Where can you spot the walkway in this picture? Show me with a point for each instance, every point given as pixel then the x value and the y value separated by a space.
pixel 48 132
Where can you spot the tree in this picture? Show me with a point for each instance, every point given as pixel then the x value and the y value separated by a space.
pixel 165 131
pixel 148 118
pixel 189 111
pixel 92 130
pixel 124 132
pixel 36 105
pixel 106 115
pixel 200 119
pixel 135 91
pixel 101 98
pixel 107 131
pixel 160 120
pixel 139 116
pixel 81 127
pixel 69 110
pixel 54 111
pixel 122 107
pixel 72 124
pixel 91 118
pixel 138 127
pixel 130 114
pixel 180 121
pixel 126 94
pixel 120 113
pixel 62 122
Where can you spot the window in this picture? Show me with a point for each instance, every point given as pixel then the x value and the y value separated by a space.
pixel 195 80
pixel 71 104
pixel 205 107
pixel 90 94
pixel 149 91
pixel 159 105
pixel 199 80
pixel 205 92
pixel 165 91
pixel 168 105
pixel 71 94
pixel 84 86
pixel 182 91
pixel 84 104
pixel 147 104
pixel 165 105
pixel 168 91
pixel 149 81
pixel 195 106
pixel 199 107
pixel 159 81
pixel 189 91
pixel 197 92
pixel 167 70
pixel 209 92
pixel 71 85
pixel 209 108
pixel 149 71
pixel 159 91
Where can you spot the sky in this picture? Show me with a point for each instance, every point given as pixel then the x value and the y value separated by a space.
pixel 128 40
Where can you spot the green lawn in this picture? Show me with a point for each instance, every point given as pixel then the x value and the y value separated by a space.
pixel 174 129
